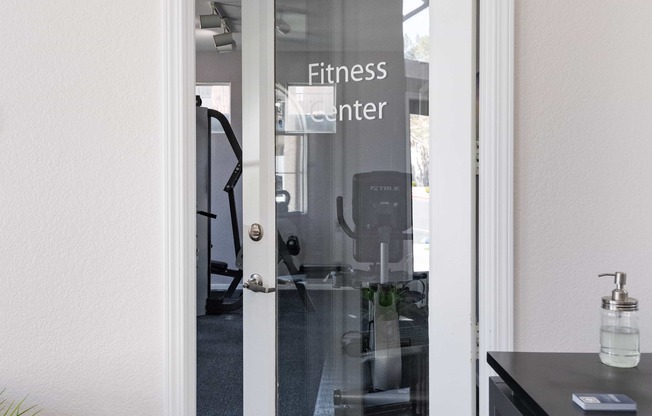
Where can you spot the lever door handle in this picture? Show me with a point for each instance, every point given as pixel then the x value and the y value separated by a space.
pixel 255 284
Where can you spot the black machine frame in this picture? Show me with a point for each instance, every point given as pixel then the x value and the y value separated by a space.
pixel 219 301
pixel 224 301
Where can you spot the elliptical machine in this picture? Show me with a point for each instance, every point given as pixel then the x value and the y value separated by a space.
pixel 390 353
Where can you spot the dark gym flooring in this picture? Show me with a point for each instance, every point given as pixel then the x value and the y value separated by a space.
pixel 219 364
pixel 306 385
pixel 302 335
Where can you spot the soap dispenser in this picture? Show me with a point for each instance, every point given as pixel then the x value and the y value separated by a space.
pixel 619 333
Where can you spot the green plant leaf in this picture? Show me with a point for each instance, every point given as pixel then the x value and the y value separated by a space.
pixel 27 410
pixel 367 294
pixel 14 409
pixel 8 409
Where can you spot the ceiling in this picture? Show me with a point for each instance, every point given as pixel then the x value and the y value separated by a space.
pixel 291 12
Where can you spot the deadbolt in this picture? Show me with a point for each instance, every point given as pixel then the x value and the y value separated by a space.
pixel 256 232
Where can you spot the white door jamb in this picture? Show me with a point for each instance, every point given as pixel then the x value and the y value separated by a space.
pixel 496 231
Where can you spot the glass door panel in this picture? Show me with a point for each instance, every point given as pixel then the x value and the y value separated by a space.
pixel 351 155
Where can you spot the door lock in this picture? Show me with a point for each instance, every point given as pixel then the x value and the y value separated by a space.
pixel 256 232
pixel 255 284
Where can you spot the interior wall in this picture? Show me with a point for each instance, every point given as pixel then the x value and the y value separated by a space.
pixel 583 178
pixel 81 174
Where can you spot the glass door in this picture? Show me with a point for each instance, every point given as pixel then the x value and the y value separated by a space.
pixel 337 211
pixel 351 117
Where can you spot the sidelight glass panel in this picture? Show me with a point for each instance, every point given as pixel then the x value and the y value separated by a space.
pixel 352 207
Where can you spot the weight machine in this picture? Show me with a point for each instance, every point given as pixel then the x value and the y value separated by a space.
pixel 219 301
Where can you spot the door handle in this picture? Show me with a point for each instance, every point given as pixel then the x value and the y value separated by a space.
pixel 255 284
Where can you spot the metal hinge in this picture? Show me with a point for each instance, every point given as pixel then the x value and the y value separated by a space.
pixel 477 341
pixel 477 156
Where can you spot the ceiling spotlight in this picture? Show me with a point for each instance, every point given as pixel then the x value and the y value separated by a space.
pixel 210 21
pixel 224 42
pixel 282 26
pixel 226 48
pixel 223 39
pixel 213 20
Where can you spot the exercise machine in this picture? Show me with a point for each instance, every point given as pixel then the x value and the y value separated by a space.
pixel 230 299
pixel 216 301
pixel 391 345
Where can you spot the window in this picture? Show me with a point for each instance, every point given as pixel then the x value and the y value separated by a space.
pixel 416 46
pixel 290 173
pixel 216 96
pixel 299 110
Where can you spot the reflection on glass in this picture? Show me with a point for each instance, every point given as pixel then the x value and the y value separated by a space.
pixel 352 207
pixel 308 109
pixel 290 173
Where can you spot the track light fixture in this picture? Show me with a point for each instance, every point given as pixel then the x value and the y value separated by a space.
pixel 213 20
pixel 210 21
pixel 224 41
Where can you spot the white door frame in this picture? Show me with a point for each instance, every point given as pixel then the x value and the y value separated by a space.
pixel 496 195
pixel 258 205
pixel 452 346
pixel 179 119
pixel 496 188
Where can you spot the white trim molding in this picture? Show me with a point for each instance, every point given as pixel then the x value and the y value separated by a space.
pixel 179 190
pixel 496 189
pixel 452 207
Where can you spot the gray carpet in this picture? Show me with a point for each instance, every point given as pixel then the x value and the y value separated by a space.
pixel 301 345
pixel 303 340
pixel 219 365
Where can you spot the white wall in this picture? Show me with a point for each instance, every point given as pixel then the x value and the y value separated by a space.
pixel 583 173
pixel 81 179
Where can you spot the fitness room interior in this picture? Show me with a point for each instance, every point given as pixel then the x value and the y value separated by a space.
pixel 352 215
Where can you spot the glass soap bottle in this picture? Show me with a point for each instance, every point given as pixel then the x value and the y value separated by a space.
pixel 619 332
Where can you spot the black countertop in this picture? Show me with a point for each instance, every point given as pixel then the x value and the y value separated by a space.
pixel 545 382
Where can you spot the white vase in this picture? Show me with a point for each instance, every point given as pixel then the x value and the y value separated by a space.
pixel 386 368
